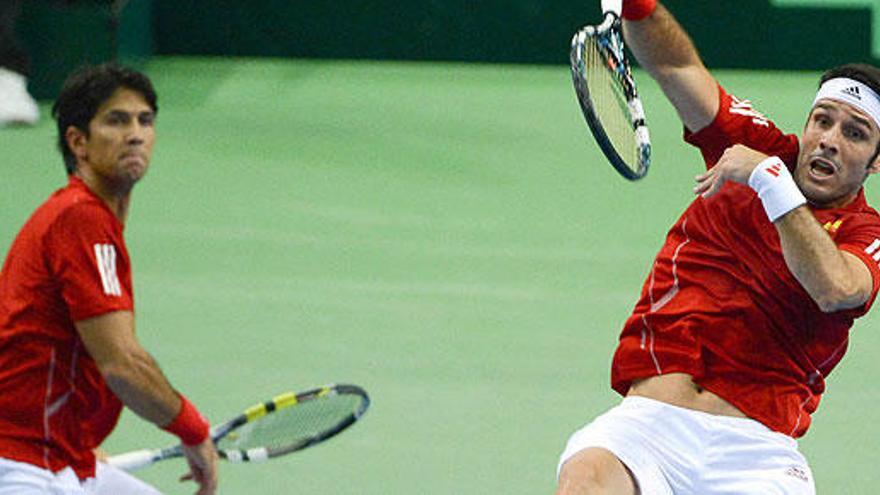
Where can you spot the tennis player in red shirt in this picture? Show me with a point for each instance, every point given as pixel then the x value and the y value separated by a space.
pixel 749 302
pixel 69 358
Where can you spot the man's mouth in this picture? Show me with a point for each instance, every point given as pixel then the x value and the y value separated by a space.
pixel 822 167
pixel 132 155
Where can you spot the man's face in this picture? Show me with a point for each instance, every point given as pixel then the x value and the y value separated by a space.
pixel 119 145
pixel 837 147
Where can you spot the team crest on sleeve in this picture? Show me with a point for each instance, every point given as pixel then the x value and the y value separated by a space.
pixel 744 107
pixel 105 255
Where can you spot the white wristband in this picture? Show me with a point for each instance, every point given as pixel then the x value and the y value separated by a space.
pixel 615 6
pixel 776 188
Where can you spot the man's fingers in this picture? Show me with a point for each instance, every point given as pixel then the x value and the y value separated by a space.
pixel 194 474
pixel 202 461
pixel 711 191
pixel 704 182
pixel 708 184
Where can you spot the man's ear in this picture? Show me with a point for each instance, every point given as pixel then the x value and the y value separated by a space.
pixel 76 141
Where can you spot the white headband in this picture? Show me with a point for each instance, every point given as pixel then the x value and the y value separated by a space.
pixel 852 92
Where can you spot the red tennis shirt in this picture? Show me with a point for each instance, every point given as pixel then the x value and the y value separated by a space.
pixel 68 263
pixel 720 303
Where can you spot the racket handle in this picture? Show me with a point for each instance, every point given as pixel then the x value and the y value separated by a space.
pixel 132 461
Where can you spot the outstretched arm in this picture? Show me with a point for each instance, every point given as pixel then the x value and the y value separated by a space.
pixel 133 375
pixel 664 49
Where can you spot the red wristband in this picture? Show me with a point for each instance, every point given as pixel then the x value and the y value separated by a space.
pixel 190 426
pixel 636 10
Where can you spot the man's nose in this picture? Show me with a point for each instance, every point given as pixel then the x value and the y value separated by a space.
pixel 136 133
pixel 828 139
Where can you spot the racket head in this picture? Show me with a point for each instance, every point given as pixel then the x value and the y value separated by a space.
pixel 608 97
pixel 290 422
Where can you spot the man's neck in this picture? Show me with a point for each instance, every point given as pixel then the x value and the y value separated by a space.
pixel 116 198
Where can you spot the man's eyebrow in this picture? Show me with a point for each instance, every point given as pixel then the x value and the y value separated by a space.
pixel 117 112
pixel 826 107
pixel 832 109
pixel 863 121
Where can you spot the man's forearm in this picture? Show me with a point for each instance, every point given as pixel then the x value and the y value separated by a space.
pixel 659 43
pixel 664 49
pixel 139 383
pixel 833 279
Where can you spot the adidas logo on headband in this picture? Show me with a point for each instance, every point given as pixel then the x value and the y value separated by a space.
pixel 852 91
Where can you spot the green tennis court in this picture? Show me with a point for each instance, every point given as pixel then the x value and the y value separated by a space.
pixel 447 236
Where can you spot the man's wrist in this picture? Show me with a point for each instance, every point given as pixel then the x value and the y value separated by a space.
pixel 189 425
pixel 776 188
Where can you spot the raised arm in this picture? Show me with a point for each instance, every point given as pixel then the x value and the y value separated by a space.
pixel 664 49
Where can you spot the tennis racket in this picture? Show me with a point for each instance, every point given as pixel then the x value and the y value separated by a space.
pixel 287 423
pixel 608 95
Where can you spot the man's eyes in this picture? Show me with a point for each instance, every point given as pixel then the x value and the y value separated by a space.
pixel 145 119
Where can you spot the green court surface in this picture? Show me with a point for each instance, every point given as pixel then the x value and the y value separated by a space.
pixel 447 236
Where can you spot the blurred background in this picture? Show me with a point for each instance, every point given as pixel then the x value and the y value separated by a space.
pixel 766 34
pixel 405 196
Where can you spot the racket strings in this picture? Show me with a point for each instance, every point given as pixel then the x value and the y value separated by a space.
pixel 609 100
pixel 292 424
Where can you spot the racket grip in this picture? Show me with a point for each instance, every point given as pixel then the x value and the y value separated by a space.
pixel 132 461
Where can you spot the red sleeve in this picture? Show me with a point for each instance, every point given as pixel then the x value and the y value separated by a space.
pixel 737 122
pixel 88 259
pixel 861 237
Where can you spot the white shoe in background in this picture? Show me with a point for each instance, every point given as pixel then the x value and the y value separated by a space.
pixel 17 106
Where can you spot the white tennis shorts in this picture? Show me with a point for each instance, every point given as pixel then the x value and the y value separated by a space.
pixel 19 478
pixel 673 450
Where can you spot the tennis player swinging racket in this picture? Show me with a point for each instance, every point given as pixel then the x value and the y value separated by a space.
pixel 748 305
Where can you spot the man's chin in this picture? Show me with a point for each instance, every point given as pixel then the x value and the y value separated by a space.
pixel 823 198
pixel 135 171
pixel 816 194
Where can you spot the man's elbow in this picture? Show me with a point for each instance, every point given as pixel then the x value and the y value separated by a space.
pixel 841 298
pixel 121 370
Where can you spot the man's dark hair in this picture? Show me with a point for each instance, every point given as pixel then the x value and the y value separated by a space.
pixel 88 88
pixel 863 73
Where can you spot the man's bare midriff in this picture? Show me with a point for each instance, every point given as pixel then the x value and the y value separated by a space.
pixel 680 390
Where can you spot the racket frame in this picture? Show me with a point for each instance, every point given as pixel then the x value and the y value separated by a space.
pixel 609 41
pixel 132 461
pixel 282 402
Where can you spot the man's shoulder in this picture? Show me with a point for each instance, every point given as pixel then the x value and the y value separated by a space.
pixel 738 121
pixel 851 220
pixel 860 208
pixel 68 206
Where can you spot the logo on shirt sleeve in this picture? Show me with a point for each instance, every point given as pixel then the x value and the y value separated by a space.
pixel 874 250
pixel 105 254
pixel 832 227
pixel 744 107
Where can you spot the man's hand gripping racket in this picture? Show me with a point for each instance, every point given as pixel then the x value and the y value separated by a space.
pixel 287 423
pixel 608 95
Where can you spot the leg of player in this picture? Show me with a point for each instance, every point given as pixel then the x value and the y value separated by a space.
pixel 596 471
pixel 110 480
